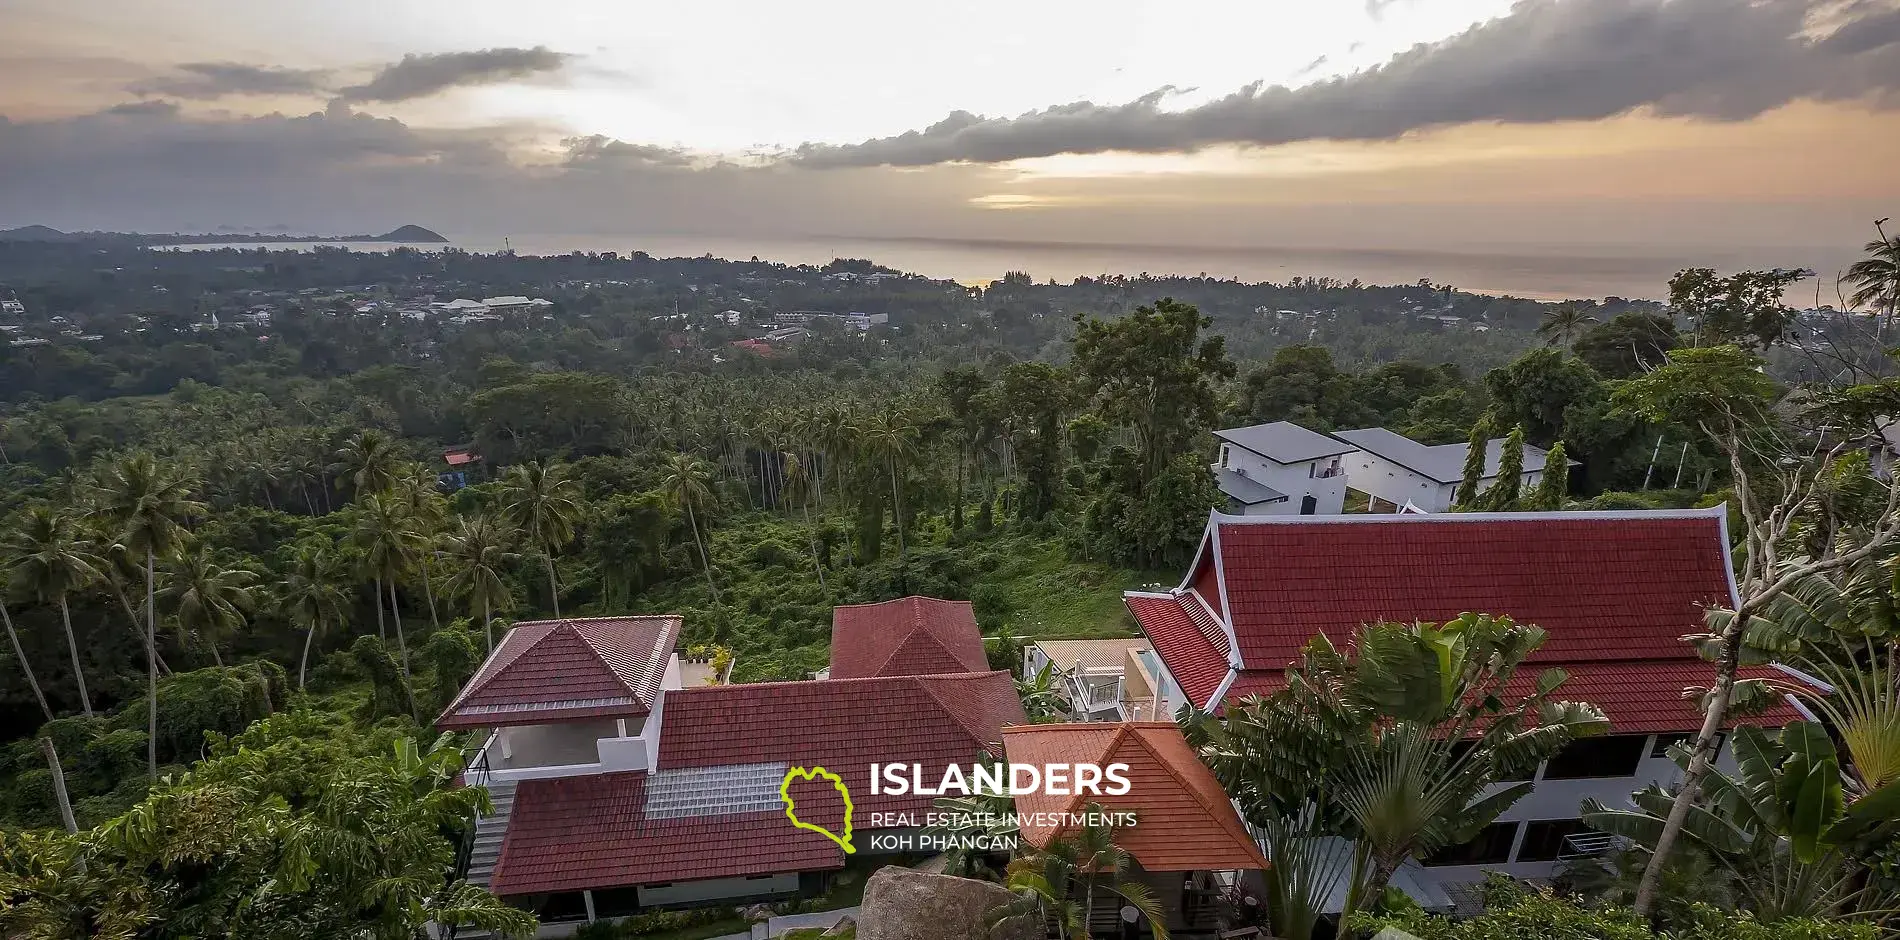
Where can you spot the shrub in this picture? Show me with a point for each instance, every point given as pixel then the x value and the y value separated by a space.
pixel 1516 913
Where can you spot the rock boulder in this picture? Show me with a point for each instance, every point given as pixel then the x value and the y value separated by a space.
pixel 901 904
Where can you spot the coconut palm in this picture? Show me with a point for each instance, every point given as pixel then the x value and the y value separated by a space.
pixel 687 486
pixel 209 599
pixel 313 596
pixel 389 546
pixel 479 548
pixel 1563 324
pixel 369 461
pixel 421 498
pixel 147 504
pixel 47 559
pixel 1047 881
pixel 19 655
pixel 798 486
pixel 893 442
pixel 1876 278
pixel 544 503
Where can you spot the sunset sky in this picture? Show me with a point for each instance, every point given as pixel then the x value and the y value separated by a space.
pixel 1442 124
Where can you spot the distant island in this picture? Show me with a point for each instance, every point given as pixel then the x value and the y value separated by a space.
pixel 409 234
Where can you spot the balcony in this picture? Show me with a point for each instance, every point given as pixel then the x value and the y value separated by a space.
pixel 529 752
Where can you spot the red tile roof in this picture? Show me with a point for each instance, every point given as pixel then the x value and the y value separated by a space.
pixel 1605 586
pixel 564 670
pixel 571 833
pixel 843 725
pixel 911 636
pixel 1184 821
pixel 1197 665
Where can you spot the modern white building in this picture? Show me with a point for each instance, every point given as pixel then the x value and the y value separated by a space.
pixel 1281 469
pixel 1394 470
pixel 1614 592
pixel 1103 680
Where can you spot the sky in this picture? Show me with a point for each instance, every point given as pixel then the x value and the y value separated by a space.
pixel 1458 125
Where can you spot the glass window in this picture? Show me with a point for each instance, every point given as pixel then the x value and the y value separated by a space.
pixel 1544 839
pixel 1663 741
pixel 1613 756
pixel 1491 847
pixel 616 902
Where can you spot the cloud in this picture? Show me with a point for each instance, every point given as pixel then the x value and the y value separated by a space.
pixel 203 81
pixel 144 109
pixel 1545 61
pixel 599 151
pixel 419 76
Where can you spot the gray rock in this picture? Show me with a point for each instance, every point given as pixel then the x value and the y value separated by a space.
pixel 838 929
pixel 901 904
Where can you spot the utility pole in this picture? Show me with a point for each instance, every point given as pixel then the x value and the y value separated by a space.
pixel 1653 454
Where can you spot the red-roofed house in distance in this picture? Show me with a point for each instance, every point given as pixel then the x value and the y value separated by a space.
pixel 1189 845
pixel 618 790
pixel 1614 591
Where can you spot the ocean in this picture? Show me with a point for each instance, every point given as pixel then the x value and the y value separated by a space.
pixel 1544 273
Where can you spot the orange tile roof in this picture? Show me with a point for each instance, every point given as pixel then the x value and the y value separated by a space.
pixel 566 670
pixel 910 636
pixel 1184 821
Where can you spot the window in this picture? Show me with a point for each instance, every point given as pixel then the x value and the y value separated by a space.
pixel 1309 505
pixel 616 902
pixel 1223 456
pixel 1491 847
pixel 1614 756
pixel 1663 741
pixel 1544 839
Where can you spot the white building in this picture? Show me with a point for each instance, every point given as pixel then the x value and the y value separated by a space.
pixel 1281 469
pixel 1394 469
pixel 1103 680
pixel 13 307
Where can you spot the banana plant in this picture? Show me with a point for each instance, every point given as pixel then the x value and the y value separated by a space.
pixel 1780 825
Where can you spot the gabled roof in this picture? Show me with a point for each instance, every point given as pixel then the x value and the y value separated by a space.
pixel 1184 820
pixel 1605 586
pixel 1197 664
pixel 1441 463
pixel 594 831
pixel 1284 442
pixel 910 636
pixel 566 670
pixel 845 725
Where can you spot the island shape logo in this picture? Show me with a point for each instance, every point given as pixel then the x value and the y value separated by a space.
pixel 791 807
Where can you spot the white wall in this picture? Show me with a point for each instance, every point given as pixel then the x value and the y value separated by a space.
pixel 1376 476
pixel 1295 480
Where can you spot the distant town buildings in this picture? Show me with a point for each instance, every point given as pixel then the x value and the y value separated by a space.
pixel 858 321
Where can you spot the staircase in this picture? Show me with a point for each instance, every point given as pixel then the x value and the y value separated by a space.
pixel 489 831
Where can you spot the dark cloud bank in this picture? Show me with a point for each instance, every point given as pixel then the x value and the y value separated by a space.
pixel 416 76
pixel 1547 60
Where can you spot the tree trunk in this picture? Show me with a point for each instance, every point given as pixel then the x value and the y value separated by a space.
pixel 1699 762
pixel 118 591
pixel 382 630
pixel 216 660
pixel 428 594
pixel 72 644
pixel 956 508
pixel 811 536
pixel 705 562
pixel 59 785
pixel 19 653
pixel 309 635
pixel 151 667
pixel 554 590
pixel 488 624
pixel 395 614
pixel 269 501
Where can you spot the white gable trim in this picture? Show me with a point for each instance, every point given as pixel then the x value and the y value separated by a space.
pixel 1207 535
pixel 1233 672
pixel 1719 512
pixel 1728 560
pixel 1226 609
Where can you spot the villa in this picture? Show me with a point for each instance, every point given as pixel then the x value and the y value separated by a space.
pixel 621 788
pixel 1615 591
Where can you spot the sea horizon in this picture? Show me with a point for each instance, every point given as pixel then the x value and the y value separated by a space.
pixel 1537 272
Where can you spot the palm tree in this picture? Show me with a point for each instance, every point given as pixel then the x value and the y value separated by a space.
pixel 798 485
pixel 47 559
pixel 19 655
pixel 389 546
pixel 1876 278
pixel 686 485
pixel 545 504
pixel 418 490
pixel 368 461
pixel 148 505
pixel 209 599
pixel 1563 324
pixel 479 548
pixel 894 442
pixel 313 595
pixel 1046 882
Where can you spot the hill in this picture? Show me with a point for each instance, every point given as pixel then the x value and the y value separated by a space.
pixel 34 233
pixel 411 233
